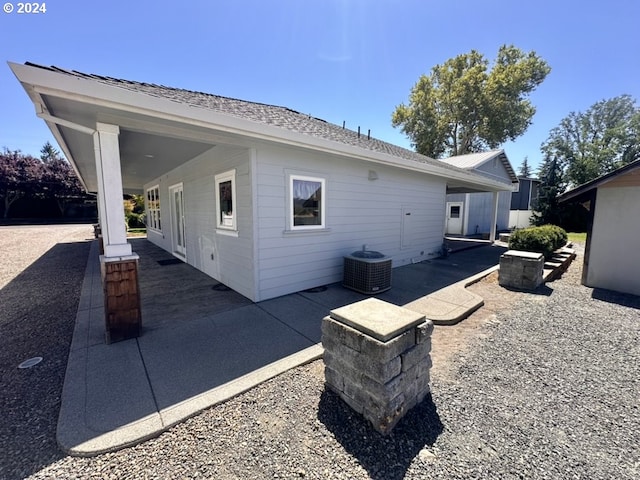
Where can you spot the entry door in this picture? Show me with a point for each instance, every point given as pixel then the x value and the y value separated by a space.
pixel 177 220
pixel 454 218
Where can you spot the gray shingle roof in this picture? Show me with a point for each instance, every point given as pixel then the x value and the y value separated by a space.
pixel 471 161
pixel 272 115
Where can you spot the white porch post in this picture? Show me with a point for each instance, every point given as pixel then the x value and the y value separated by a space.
pixel 118 264
pixel 494 216
pixel 107 151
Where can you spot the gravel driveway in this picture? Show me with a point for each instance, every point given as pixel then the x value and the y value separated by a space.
pixel 547 390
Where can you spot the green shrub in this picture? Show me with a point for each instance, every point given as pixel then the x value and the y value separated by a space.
pixel 545 239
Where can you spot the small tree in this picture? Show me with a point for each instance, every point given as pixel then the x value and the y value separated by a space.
pixel 49 153
pixel 551 185
pixel 134 213
pixel 525 169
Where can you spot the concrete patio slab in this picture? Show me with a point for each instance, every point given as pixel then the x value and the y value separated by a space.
pixel 202 345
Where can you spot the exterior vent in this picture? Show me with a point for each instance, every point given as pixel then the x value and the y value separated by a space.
pixel 367 272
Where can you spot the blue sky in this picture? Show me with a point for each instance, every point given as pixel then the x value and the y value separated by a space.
pixel 340 60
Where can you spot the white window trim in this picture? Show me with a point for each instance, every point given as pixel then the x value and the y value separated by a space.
pixel 221 178
pixel 306 228
pixel 153 225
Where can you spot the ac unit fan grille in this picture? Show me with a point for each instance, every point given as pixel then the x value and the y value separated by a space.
pixel 367 276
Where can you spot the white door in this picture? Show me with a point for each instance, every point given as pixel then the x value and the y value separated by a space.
pixel 454 218
pixel 177 220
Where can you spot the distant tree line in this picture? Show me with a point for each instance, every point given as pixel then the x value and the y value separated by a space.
pixel 583 147
pixel 48 185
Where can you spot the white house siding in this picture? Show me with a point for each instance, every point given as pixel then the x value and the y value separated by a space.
pixel 495 169
pixel 613 262
pixel 481 212
pixel 358 211
pixel 232 262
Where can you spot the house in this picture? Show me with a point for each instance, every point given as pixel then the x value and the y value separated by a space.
pixel 613 201
pixel 523 202
pixel 472 213
pixel 260 197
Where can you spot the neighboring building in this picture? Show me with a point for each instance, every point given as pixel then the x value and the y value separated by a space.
pixel 523 202
pixel 472 213
pixel 260 197
pixel 611 260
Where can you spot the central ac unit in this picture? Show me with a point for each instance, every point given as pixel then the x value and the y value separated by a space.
pixel 367 272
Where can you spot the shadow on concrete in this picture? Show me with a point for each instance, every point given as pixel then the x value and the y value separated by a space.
pixel 619 298
pixel 198 340
pixel 384 457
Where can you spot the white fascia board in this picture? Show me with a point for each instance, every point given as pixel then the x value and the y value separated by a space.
pixel 109 96
pixel 38 103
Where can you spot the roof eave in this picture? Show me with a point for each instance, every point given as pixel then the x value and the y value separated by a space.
pixel 37 82
pixel 597 182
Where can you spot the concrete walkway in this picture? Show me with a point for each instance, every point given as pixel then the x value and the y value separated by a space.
pixel 203 343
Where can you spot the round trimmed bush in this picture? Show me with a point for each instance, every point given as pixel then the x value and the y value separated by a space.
pixel 545 239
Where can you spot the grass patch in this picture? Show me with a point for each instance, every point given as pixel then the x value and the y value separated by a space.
pixel 136 232
pixel 577 237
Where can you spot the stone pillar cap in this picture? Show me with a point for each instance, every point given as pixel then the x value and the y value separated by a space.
pixel 522 254
pixel 378 319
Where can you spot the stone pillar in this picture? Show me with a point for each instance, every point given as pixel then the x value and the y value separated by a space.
pixel 123 315
pixel 377 359
pixel 521 270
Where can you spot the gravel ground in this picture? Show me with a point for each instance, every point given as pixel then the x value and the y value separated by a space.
pixel 37 315
pixel 546 389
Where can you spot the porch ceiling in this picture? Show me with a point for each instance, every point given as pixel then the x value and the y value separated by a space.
pixel 149 147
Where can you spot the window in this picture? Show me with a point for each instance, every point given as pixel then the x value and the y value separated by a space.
pixel 153 208
pixel 306 199
pixel 226 200
pixel 455 211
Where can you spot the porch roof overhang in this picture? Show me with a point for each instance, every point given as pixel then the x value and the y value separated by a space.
pixel 159 133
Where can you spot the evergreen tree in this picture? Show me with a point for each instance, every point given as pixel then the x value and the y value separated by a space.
pixel 525 168
pixel 551 185
pixel 49 153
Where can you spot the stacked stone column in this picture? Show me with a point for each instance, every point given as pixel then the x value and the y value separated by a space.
pixel 377 359
pixel 521 270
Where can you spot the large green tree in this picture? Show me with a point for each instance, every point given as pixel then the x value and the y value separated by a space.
pixel 465 106
pixel 595 142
